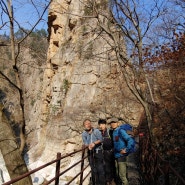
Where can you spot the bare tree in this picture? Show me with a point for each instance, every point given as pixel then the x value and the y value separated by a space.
pixel 7 11
pixel 14 162
pixel 131 27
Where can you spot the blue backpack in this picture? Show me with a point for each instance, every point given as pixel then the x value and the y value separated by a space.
pixel 129 129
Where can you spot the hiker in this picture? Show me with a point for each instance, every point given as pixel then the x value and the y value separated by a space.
pixel 108 152
pixel 122 144
pixel 92 138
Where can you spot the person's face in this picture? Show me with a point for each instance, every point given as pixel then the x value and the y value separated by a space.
pixel 87 125
pixel 114 125
pixel 102 126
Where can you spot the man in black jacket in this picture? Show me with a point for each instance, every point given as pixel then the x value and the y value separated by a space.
pixel 108 152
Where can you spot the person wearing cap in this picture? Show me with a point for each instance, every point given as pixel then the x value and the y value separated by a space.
pixel 122 144
pixel 108 152
pixel 92 139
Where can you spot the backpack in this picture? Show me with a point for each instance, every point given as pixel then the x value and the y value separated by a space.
pixel 129 129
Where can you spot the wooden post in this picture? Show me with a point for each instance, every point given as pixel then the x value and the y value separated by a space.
pixel 82 165
pixel 57 172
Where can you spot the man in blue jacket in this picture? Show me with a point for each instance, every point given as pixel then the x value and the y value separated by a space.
pixel 122 145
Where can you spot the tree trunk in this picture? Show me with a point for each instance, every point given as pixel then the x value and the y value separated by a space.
pixel 18 81
pixel 11 153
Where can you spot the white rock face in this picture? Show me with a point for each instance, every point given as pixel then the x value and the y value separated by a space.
pixel 4 175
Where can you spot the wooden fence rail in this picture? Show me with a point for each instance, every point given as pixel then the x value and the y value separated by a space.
pixel 154 170
pixel 57 170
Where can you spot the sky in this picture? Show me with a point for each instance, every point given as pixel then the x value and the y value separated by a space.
pixel 26 14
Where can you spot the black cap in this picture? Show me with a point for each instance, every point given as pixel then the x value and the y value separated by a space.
pixel 102 121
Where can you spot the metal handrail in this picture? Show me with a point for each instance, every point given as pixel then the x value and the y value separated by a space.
pixel 57 172
pixel 154 169
pixel 51 180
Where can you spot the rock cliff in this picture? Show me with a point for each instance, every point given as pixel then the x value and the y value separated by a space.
pixel 81 80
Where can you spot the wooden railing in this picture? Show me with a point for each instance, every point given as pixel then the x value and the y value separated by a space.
pixel 57 171
pixel 154 170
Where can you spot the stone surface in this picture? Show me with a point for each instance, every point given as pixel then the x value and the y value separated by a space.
pixel 4 175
